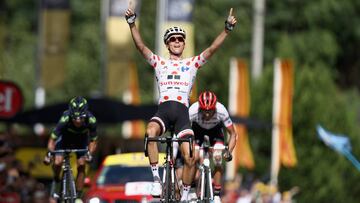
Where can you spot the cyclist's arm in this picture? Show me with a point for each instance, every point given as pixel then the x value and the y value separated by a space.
pixel 220 38
pixel 143 49
pixel 233 137
pixel 93 134
pixel 57 131
pixel 215 45
pixel 51 145
pixel 92 146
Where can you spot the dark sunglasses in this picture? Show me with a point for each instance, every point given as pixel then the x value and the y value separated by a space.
pixel 210 111
pixel 173 39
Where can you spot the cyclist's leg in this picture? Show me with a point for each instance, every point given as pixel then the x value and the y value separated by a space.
pixel 153 130
pixel 189 164
pixel 217 139
pixel 81 165
pixel 199 139
pixel 58 160
pixel 80 143
pixel 56 167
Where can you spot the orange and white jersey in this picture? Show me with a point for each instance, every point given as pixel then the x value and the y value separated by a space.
pixel 221 116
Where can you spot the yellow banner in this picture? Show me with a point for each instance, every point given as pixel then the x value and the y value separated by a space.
pixel 239 105
pixel 53 46
pixel 287 150
pixel 133 129
pixel 119 46
pixel 244 157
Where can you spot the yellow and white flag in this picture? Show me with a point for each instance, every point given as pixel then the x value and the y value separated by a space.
pixel 283 150
pixel 119 45
pixel 133 129
pixel 239 105
pixel 53 42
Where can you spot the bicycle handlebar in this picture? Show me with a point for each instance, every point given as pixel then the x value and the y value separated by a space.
pixel 219 147
pixel 65 151
pixel 167 140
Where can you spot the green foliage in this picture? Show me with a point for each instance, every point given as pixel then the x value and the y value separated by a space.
pixel 316 100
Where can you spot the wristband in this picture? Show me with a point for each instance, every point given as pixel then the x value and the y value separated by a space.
pixel 228 26
pixel 131 19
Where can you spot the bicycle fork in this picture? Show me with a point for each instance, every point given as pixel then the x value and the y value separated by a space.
pixel 170 194
pixel 206 190
pixel 68 184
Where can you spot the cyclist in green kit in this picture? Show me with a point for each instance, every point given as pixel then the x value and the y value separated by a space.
pixel 76 129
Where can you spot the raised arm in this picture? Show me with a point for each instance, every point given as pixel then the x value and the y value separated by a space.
pixel 143 49
pixel 229 25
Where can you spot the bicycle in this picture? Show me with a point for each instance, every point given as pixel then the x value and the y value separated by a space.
pixel 68 190
pixel 204 186
pixel 169 181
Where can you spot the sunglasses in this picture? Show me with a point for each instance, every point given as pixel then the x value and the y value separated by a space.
pixel 210 111
pixel 173 39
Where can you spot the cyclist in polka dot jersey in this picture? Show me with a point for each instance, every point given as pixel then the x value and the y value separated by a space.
pixel 175 77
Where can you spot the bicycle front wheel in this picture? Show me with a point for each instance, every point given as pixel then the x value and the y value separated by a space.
pixel 69 190
pixel 208 186
pixel 167 184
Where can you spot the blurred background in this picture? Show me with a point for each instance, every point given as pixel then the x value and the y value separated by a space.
pixel 285 68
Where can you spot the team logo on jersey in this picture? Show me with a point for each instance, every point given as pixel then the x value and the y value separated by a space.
pixel 184 68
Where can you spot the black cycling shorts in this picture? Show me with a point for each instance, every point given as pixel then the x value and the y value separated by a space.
pixel 215 134
pixel 173 115
pixel 72 142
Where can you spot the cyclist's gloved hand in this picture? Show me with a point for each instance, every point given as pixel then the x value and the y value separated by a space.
pixel 88 157
pixel 130 16
pixel 228 156
pixel 230 21
pixel 131 19
pixel 47 158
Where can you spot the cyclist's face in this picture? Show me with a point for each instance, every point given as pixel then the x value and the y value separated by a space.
pixel 78 121
pixel 207 114
pixel 176 44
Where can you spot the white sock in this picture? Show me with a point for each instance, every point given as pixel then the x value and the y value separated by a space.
pixel 185 192
pixel 155 171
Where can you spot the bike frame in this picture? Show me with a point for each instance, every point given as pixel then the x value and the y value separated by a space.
pixel 68 189
pixel 205 180
pixel 169 175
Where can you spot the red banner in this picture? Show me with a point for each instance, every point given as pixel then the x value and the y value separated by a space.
pixel 11 99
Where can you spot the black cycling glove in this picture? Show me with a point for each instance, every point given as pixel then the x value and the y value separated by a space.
pixel 131 19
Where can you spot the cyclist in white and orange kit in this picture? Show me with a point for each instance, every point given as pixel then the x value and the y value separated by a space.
pixel 209 117
pixel 175 76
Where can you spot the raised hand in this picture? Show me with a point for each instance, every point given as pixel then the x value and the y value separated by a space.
pixel 230 21
pixel 130 15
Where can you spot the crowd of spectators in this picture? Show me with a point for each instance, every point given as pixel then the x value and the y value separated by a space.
pixel 256 192
pixel 16 183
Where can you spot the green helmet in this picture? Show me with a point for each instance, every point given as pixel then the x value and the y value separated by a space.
pixel 78 107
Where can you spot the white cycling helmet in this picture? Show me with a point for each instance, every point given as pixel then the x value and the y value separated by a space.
pixel 174 31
